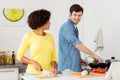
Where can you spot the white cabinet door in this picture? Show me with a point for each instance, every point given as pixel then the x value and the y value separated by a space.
pixel 8 73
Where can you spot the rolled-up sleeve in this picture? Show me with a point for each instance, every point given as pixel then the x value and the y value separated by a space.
pixel 70 35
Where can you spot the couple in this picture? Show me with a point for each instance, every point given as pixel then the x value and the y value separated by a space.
pixel 44 57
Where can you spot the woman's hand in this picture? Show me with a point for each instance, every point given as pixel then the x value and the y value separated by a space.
pixel 37 66
pixel 55 71
pixel 26 60
pixel 54 66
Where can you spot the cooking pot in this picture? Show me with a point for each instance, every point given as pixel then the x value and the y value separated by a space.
pixel 98 65
pixel 108 62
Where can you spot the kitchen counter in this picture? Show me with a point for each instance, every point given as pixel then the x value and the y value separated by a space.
pixel 20 66
pixel 67 77
pixel 64 78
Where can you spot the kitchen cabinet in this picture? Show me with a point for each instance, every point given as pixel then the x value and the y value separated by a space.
pixel 9 74
pixel 12 72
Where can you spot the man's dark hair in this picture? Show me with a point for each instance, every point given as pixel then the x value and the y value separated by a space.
pixel 38 18
pixel 76 8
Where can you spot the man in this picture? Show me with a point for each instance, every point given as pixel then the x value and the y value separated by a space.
pixel 70 44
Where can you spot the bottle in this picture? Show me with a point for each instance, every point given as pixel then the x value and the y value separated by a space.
pixel 8 57
pixel 13 57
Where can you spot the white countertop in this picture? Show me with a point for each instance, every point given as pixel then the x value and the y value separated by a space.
pixel 63 78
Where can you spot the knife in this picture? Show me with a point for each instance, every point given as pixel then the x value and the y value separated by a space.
pixel 45 72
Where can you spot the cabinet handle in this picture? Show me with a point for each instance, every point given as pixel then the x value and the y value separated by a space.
pixel 7 71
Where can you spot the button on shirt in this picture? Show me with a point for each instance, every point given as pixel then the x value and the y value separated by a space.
pixel 69 56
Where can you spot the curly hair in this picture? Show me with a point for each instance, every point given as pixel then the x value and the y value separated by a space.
pixel 38 18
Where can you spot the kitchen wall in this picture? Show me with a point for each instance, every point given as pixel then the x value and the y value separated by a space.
pixel 102 14
pixel 11 35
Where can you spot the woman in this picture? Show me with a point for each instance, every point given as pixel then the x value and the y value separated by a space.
pixel 40 44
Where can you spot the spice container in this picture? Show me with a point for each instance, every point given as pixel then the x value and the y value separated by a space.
pixel 13 57
pixel 2 57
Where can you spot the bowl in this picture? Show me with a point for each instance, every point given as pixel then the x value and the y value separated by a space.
pixel 93 65
pixel 97 65
pixel 102 65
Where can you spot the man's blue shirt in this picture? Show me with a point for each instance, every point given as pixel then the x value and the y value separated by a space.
pixel 69 56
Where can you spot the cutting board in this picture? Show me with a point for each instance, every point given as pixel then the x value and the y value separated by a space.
pixel 78 74
pixel 45 77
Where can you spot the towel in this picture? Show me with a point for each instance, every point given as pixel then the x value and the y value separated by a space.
pixel 99 41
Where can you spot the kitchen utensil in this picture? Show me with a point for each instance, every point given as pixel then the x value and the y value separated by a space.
pixel 47 73
pixel 96 65
pixel 93 65
pixel 102 65
pixel 108 62
pixel 78 74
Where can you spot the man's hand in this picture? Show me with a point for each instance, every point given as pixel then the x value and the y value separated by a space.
pixel 84 63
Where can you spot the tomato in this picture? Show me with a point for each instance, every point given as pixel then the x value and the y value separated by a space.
pixel 94 70
pixel 102 71
pixel 99 70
